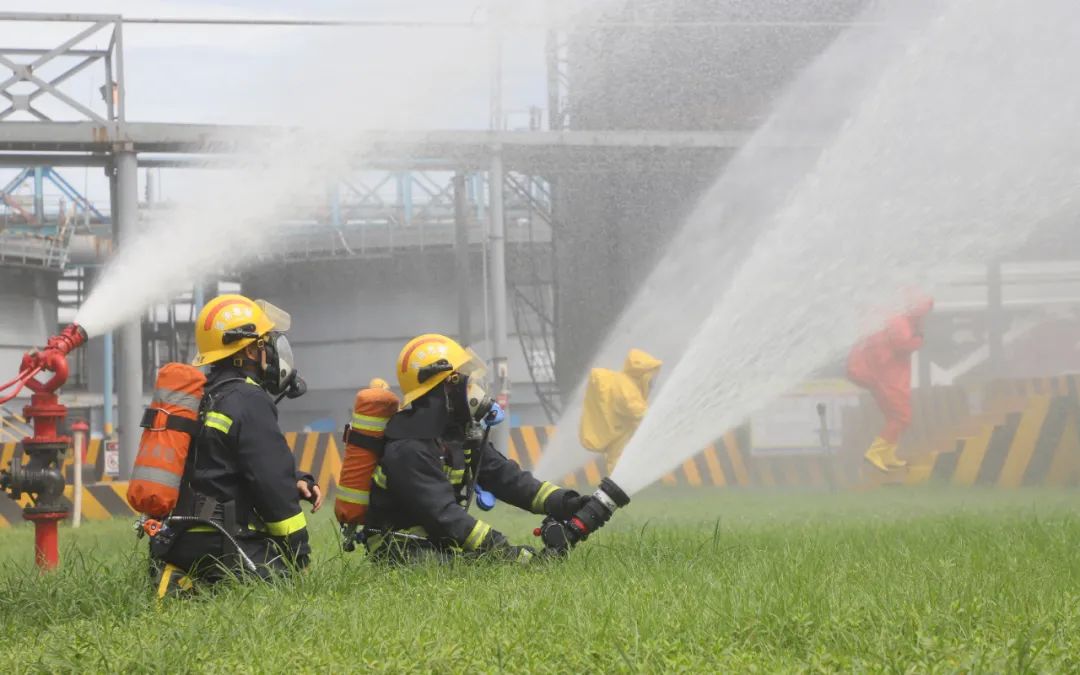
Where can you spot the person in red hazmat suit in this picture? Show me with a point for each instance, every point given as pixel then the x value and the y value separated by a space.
pixel 615 404
pixel 881 364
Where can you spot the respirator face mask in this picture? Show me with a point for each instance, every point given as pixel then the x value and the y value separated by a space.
pixel 280 376
pixel 467 395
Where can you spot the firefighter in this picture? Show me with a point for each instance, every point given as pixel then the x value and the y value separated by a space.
pixel 240 473
pixel 615 403
pixel 881 363
pixel 435 453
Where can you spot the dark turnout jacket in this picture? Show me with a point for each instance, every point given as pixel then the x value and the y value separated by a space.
pixel 421 482
pixel 242 474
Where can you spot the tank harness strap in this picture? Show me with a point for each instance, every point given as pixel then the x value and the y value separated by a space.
pixel 172 422
pixel 358 439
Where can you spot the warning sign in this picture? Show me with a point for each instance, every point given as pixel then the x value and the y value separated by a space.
pixel 806 421
pixel 112 458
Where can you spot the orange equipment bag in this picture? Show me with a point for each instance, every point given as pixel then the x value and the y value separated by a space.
pixel 169 425
pixel 364 443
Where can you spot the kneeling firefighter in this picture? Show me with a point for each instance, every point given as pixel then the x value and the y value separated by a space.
pixel 231 504
pixel 435 453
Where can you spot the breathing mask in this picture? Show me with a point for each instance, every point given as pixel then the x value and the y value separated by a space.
pixel 280 377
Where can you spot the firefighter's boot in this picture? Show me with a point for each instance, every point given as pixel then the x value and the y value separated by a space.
pixel 891 460
pixel 877 453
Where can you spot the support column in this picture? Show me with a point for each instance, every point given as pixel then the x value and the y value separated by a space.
pixel 995 320
pixel 130 370
pixel 461 259
pixel 107 423
pixel 497 253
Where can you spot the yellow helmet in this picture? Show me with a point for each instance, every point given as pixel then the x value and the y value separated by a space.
pixel 427 360
pixel 236 313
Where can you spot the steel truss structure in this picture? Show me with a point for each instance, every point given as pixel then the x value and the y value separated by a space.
pixel 45 126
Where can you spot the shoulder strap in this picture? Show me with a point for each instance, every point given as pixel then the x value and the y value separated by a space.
pixel 206 404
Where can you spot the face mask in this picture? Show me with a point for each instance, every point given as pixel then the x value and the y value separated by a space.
pixel 467 400
pixel 280 376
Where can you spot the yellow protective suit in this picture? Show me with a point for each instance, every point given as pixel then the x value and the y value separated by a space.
pixel 615 404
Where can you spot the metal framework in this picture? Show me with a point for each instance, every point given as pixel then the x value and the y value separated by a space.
pixel 71 57
pixel 45 126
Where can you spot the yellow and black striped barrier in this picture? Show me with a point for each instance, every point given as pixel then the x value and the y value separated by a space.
pixel 1039 445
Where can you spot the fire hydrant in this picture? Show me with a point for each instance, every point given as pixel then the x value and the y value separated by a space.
pixel 42 476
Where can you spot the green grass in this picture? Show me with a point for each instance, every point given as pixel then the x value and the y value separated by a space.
pixel 918 581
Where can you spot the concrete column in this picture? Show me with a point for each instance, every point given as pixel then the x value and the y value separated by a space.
pixel 465 296
pixel 497 266
pixel 995 320
pixel 130 366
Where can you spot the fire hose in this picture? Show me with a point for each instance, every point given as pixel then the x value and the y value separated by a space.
pixel 559 536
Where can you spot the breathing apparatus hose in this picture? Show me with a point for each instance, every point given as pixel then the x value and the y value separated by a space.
pixel 249 564
pixel 478 460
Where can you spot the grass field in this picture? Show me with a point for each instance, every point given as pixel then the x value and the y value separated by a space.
pixel 701 582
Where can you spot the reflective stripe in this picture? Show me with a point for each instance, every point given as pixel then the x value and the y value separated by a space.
pixel 368 423
pixel 351 496
pixel 477 536
pixel 456 476
pixel 379 478
pixel 251 381
pixel 216 420
pixel 202 528
pixel 178 398
pixel 284 528
pixel 542 494
pixel 152 474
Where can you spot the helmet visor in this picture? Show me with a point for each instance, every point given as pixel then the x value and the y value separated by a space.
pixel 475 367
pixel 279 317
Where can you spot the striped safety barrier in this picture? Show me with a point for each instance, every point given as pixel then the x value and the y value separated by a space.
pixel 1038 444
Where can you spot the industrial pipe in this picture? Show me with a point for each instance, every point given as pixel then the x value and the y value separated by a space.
pixel 41 477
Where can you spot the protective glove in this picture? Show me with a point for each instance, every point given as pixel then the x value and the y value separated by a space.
pixel 563 503
pixel 499 547
pixel 495 416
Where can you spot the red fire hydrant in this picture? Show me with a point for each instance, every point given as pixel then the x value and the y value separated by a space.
pixel 42 477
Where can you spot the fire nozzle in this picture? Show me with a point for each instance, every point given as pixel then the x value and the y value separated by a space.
pixel 559 536
pixel 42 477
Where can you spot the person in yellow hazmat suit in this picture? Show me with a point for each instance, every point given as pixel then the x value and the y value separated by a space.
pixel 615 404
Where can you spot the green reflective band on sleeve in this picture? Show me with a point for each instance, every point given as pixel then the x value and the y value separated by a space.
pixel 216 420
pixel 456 476
pixel 352 496
pixel 368 423
pixel 542 494
pixel 379 478
pixel 284 528
pixel 477 536
pixel 251 381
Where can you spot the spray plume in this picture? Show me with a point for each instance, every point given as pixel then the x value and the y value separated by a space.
pixel 964 145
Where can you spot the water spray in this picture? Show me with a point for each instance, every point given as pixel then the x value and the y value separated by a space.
pixel 42 478
pixel 559 536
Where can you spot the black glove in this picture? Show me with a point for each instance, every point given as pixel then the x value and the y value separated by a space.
pixel 563 504
pixel 499 547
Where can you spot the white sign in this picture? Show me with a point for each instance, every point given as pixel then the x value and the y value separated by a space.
pixel 793 424
pixel 112 458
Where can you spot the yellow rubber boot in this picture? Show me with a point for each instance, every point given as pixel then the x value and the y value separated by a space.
pixel 891 460
pixel 876 454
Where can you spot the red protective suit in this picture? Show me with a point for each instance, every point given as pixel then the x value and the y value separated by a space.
pixel 882 364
